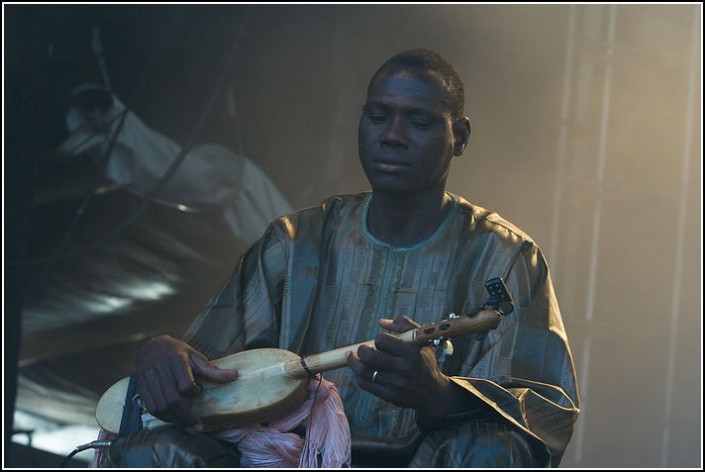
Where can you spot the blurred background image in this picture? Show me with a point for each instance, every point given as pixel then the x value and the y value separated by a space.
pixel 147 146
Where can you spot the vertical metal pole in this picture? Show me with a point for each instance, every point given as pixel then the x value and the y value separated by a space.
pixel 602 159
pixel 596 221
pixel 563 135
pixel 680 241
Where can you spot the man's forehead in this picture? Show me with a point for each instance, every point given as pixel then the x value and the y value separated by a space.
pixel 410 84
pixel 400 74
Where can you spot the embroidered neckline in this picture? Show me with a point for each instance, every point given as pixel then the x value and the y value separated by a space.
pixel 435 235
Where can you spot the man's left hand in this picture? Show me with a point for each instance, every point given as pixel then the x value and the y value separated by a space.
pixel 404 373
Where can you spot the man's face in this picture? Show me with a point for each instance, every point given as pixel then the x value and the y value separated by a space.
pixel 405 136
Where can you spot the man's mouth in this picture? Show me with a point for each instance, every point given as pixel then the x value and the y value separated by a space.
pixel 388 165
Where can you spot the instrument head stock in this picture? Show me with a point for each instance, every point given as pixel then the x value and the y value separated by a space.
pixel 499 297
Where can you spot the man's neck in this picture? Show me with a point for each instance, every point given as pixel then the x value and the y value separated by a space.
pixel 404 220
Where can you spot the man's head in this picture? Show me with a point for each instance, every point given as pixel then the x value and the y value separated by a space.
pixel 412 124
pixel 425 59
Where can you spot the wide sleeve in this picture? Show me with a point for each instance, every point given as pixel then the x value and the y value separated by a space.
pixel 524 369
pixel 245 312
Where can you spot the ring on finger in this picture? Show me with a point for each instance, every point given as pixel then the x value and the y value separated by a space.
pixel 374 376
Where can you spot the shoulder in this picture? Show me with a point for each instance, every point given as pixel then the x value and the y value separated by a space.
pixel 312 220
pixel 481 221
pixel 336 205
pixel 506 251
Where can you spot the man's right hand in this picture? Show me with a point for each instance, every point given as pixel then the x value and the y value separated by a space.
pixel 165 379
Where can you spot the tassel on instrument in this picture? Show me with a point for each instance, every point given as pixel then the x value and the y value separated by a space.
pixel 327 434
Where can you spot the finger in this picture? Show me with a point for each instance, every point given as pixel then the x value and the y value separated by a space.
pixel 363 373
pixel 393 346
pixel 178 405
pixel 386 323
pixel 355 363
pixel 399 324
pixel 378 360
pixel 379 385
pixel 146 397
pixel 169 404
pixel 158 384
pixel 361 370
pixel 184 381
pixel 372 358
pixel 204 368
pixel 384 386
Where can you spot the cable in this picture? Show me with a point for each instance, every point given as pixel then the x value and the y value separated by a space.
pixel 92 444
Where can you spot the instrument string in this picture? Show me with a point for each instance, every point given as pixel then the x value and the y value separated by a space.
pixel 309 422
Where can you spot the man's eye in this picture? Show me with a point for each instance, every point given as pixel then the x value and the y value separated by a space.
pixel 377 118
pixel 421 124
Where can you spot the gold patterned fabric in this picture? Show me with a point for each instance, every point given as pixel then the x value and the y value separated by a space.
pixel 319 280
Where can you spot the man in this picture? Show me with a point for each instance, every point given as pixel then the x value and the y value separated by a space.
pixel 359 265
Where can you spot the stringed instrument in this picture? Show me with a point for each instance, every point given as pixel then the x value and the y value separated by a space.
pixel 272 382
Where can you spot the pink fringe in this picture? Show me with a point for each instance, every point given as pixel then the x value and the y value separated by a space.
pixel 327 435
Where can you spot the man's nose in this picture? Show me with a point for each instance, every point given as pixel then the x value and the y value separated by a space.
pixel 395 133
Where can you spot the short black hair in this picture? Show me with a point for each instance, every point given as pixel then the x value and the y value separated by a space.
pixel 426 59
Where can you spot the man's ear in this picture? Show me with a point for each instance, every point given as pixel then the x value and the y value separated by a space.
pixel 461 133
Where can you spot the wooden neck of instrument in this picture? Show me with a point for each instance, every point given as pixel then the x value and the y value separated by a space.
pixel 481 321
pixel 330 360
